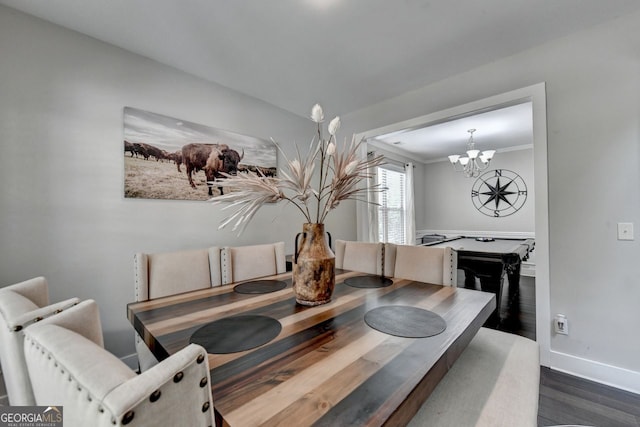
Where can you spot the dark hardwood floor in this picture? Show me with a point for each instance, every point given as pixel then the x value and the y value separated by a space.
pixel 565 399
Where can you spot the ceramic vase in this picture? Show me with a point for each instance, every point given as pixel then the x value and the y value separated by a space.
pixel 313 267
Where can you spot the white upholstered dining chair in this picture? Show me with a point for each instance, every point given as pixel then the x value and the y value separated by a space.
pixel 240 263
pixel 497 375
pixel 360 256
pixel 21 305
pixel 168 273
pixel 70 368
pixel 426 264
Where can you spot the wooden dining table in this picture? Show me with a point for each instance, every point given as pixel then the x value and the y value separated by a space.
pixel 326 366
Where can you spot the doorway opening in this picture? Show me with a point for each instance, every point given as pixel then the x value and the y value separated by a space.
pixel 534 94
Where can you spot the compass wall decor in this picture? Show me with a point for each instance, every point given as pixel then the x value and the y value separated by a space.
pixel 499 193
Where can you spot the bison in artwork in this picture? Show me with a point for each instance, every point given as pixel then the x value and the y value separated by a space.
pixel 129 147
pixel 145 150
pixel 153 151
pixel 213 159
pixel 140 149
pixel 177 158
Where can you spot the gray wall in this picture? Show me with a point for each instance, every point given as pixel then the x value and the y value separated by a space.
pixel 448 205
pixel 62 211
pixel 443 197
pixel 593 118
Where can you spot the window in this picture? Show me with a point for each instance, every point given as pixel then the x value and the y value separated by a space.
pixel 391 212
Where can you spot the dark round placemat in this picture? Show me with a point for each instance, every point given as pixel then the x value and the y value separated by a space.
pixel 236 333
pixel 405 321
pixel 368 281
pixel 260 286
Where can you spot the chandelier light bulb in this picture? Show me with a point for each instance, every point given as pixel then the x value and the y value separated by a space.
pixel 489 154
pixel 474 162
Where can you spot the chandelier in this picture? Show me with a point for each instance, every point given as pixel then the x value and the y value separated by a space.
pixel 474 161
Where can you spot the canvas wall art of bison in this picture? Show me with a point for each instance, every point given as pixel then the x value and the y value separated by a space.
pixel 167 158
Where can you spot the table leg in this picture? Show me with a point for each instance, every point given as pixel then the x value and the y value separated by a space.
pixel 512 321
pixel 490 274
pixel 469 279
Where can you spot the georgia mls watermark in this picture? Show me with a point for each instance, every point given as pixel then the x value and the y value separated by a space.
pixel 30 416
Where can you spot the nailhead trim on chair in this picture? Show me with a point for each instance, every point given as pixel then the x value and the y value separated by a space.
pixel 155 396
pixel 18 328
pixel 128 417
pixel 137 278
pixel 451 270
pixel 223 261
pixel 70 378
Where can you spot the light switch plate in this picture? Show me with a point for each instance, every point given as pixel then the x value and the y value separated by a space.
pixel 625 231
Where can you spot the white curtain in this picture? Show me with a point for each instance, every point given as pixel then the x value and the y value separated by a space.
pixel 372 205
pixel 409 212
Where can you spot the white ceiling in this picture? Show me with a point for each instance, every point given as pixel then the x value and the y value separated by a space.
pixel 501 129
pixel 345 54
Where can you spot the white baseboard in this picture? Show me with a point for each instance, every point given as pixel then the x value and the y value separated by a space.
pixel 528 269
pixel 131 360
pixel 614 376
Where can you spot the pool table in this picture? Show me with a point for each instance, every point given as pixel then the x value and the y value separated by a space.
pixel 489 259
